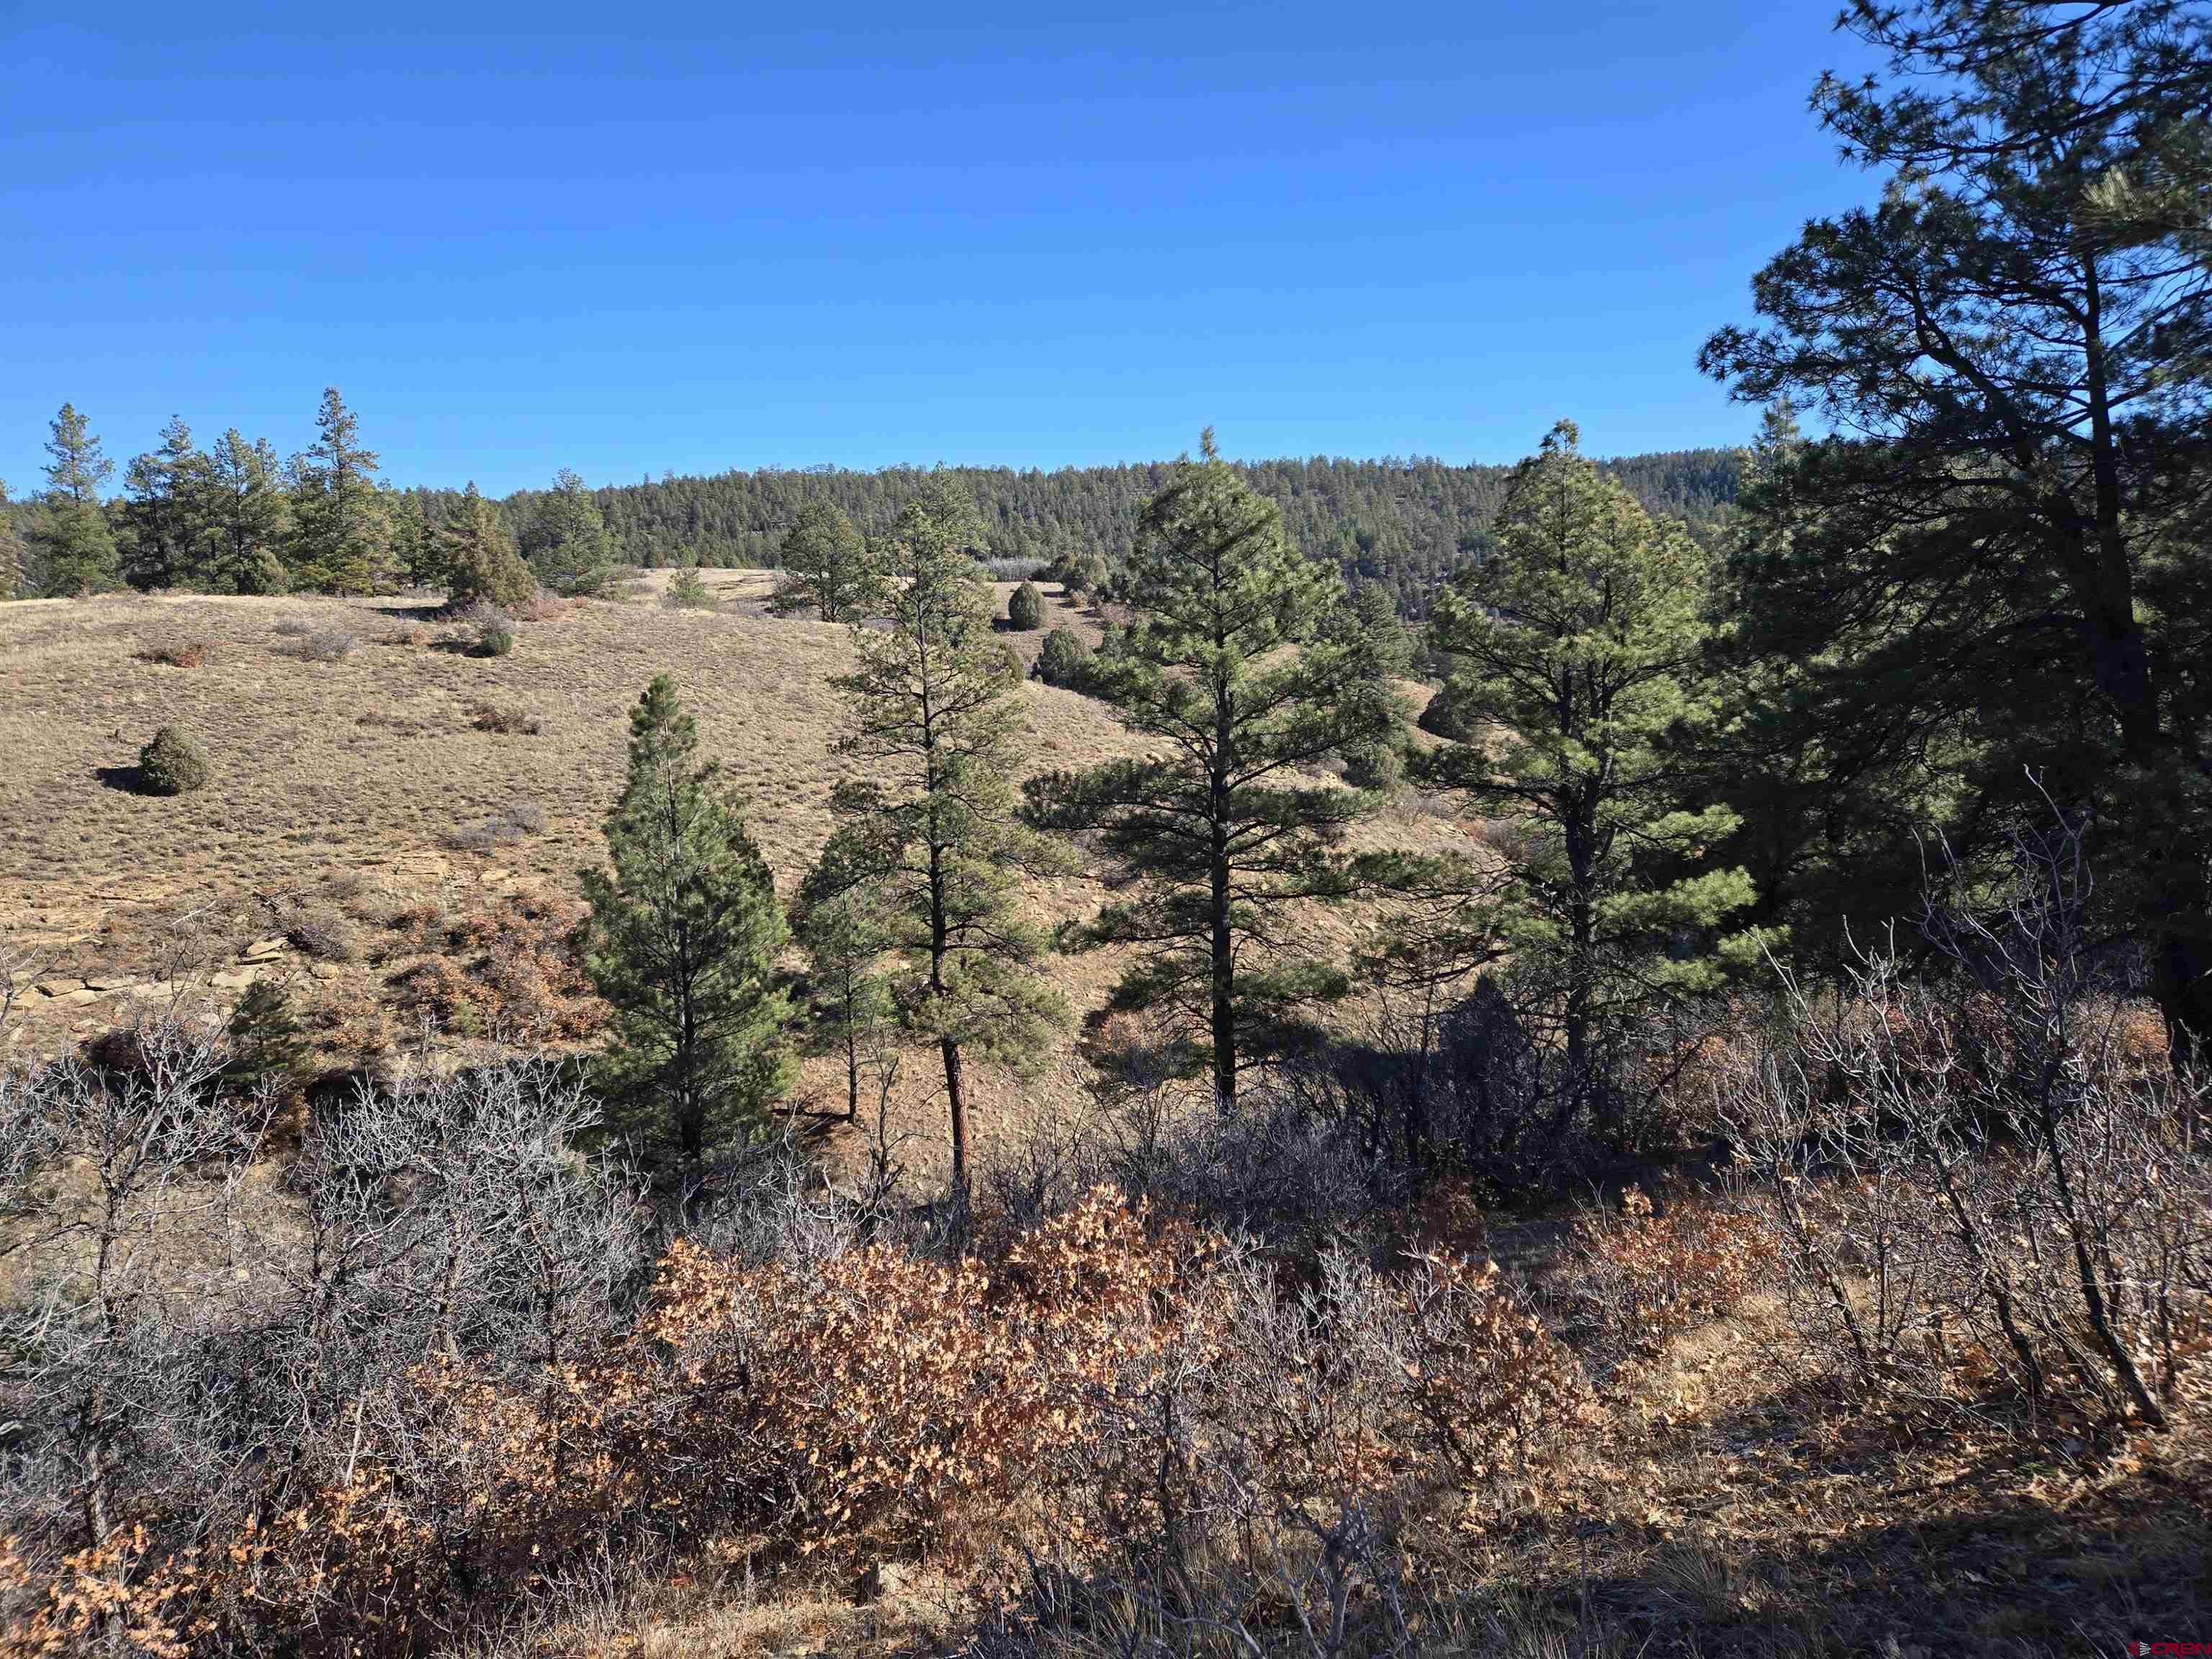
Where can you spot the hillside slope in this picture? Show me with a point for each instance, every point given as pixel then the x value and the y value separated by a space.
pixel 371 837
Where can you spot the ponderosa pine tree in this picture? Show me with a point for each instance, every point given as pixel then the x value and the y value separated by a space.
pixel 165 518
pixel 1376 654
pixel 1579 658
pixel 565 538
pixel 828 568
pixel 247 518
pixel 71 547
pixel 682 940
pixel 2002 540
pixel 481 564
pixel 1226 831
pixel 933 829
pixel 840 919
pixel 342 528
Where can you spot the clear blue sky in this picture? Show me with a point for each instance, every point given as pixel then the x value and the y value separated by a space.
pixel 697 237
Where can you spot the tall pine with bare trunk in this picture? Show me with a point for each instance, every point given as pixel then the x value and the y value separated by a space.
pixel 932 830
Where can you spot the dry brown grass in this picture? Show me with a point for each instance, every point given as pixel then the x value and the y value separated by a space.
pixel 379 764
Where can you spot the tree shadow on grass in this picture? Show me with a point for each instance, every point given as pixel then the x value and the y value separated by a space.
pixel 124 778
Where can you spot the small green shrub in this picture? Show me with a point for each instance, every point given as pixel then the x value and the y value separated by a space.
pixel 265 1045
pixel 494 637
pixel 1079 574
pixel 1065 659
pixel 688 592
pixel 173 764
pixel 1446 717
pixel 1025 610
pixel 1376 766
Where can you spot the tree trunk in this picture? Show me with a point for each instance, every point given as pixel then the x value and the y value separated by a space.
pixel 1225 964
pixel 851 1075
pixel 2104 579
pixel 959 1107
pixel 939 945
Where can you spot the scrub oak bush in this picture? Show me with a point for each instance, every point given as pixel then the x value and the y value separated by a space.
pixel 504 720
pixel 177 653
pixel 1116 1384
pixel 507 969
pixel 173 763
pixel 1980 1187
pixel 1649 1276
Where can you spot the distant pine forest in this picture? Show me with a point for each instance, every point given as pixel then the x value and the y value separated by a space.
pixel 1405 524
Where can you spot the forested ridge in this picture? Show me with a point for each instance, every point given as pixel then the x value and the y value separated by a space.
pixel 1407 523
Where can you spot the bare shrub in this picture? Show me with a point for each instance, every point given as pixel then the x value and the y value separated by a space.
pixel 123 1264
pixel 345 886
pixel 486 836
pixel 293 628
pixel 1977 1186
pixel 323 932
pixel 504 720
pixel 328 645
pixel 1284 1167
pixel 177 653
pixel 1245 1486
pixel 542 606
pixel 443 1228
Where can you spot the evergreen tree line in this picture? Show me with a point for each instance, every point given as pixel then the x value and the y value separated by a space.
pixel 234 517
pixel 1405 524
pixel 237 518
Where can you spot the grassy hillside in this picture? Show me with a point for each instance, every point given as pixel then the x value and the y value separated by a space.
pixel 367 820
